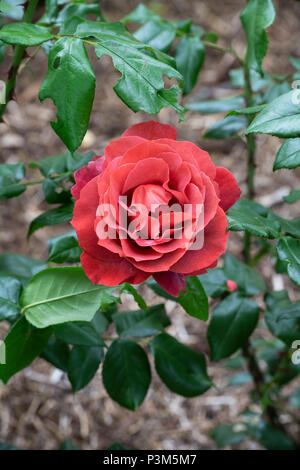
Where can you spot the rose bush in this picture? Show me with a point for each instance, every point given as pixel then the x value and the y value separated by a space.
pixel 148 168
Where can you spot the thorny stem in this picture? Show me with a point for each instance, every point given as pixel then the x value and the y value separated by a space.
pixel 270 410
pixel 17 59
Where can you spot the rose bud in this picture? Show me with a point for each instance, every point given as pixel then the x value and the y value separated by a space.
pixel 232 286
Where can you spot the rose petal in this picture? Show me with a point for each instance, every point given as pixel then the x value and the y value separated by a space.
pixel 118 147
pixel 152 130
pixel 85 174
pixel 229 190
pixel 172 283
pixel 215 239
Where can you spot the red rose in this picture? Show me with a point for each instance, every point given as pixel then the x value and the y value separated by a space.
pixel 124 215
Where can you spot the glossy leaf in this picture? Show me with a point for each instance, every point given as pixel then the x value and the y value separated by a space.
pixel 10 175
pixel 158 34
pixel 141 14
pixel 70 83
pixel 288 156
pixel 137 297
pixel 194 299
pixel 57 352
pixel 189 56
pixel 12 9
pixel 23 344
pixel 64 248
pixel 214 282
pixel 126 373
pixel 217 106
pixel 288 250
pixel 10 289
pixel 256 17
pixel 283 317
pixel 141 86
pixel 183 370
pixel 226 128
pixel 281 117
pixel 294 196
pixel 24 34
pixel 247 279
pixel 81 333
pixel 52 217
pixel 227 434
pixel 141 323
pixel 245 216
pixel 20 266
pixel 232 322
pixel 83 364
pixel 59 295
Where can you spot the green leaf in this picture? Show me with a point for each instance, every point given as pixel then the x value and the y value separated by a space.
pixel 194 300
pixel 245 216
pixel 141 14
pixel 141 86
pixel 126 373
pixel 217 106
pixel 83 365
pixel 10 175
pixel 51 11
pixel 117 446
pixel 288 250
pixel 183 370
pixel 59 295
pixel 258 81
pixel 158 34
pixel 288 156
pixel 64 162
pixel 294 196
pixel 137 297
pixel 250 110
pixel 70 83
pixel 81 333
pixel 189 55
pixel 79 10
pixel 281 117
pixel 100 322
pixel 275 90
pixel 20 266
pixel 23 344
pixel 24 34
pixel 232 322
pixel 68 445
pixel 10 289
pixel 141 323
pixel 12 9
pixel 226 435
pixel 248 280
pixel 241 378
pixel 272 438
pixel 214 282
pixel 227 127
pixel 64 248
pixel 255 18
pixel 57 352
pixel 52 217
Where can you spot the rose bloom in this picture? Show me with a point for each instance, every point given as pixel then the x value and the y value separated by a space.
pixel 120 195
